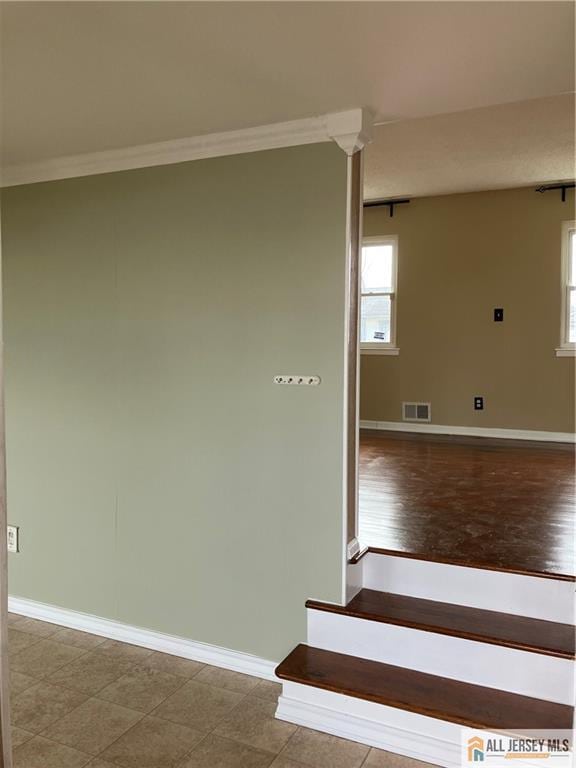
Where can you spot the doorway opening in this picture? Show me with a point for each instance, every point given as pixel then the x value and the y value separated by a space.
pixel 467 344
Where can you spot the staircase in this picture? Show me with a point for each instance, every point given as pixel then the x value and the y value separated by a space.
pixel 424 648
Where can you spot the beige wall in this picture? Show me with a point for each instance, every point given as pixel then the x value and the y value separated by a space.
pixel 460 256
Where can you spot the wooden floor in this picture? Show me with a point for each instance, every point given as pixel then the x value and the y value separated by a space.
pixel 504 504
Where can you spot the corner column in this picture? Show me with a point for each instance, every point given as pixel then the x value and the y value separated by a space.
pixel 352 400
pixel 351 130
pixel 5 738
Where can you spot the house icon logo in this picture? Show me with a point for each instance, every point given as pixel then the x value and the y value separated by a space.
pixel 475 750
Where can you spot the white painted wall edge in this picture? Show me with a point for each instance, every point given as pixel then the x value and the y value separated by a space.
pixel 351 130
pixel 146 638
pixel 495 432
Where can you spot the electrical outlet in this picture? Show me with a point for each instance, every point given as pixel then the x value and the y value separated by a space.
pixel 13 538
pixel 297 380
pixel 478 403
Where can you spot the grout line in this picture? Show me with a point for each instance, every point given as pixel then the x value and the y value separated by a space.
pixel 289 739
pixel 134 665
pixel 365 761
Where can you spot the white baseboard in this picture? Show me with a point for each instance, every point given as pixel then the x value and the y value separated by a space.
pixel 412 735
pixel 236 661
pixel 494 432
pixel 393 730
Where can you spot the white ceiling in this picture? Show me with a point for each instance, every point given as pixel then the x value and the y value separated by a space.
pixel 510 145
pixel 80 77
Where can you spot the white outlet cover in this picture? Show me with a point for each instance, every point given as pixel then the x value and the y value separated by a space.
pixel 13 533
pixel 298 380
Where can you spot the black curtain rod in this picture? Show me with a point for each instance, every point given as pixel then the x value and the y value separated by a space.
pixel 562 186
pixel 390 203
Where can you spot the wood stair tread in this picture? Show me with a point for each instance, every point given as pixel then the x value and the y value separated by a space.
pixel 503 629
pixel 463 703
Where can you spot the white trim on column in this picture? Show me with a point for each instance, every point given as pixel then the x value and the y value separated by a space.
pixel 237 661
pixel 494 432
pixel 350 129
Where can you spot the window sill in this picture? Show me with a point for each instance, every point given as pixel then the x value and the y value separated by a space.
pixel 566 352
pixel 379 351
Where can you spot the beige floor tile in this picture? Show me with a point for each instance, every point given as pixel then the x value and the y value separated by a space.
pixel 266 689
pixel 198 706
pixel 14 619
pixel 253 723
pixel 152 743
pixel 93 726
pixel 224 678
pixel 142 688
pixel 320 750
pixel 91 672
pixel 174 665
pixel 97 763
pixel 20 736
pixel 42 753
pixel 42 704
pixel 44 658
pixel 284 762
pixel 379 759
pixel 19 682
pixel 124 650
pixel 78 639
pixel 37 627
pixel 216 752
pixel 18 640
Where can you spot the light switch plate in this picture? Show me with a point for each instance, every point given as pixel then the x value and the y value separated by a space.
pixel 13 538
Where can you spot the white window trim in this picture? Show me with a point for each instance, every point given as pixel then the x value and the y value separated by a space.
pixel 383 347
pixel 566 348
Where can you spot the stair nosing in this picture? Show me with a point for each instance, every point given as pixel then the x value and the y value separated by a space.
pixel 474 637
pixel 570 577
pixel 401 705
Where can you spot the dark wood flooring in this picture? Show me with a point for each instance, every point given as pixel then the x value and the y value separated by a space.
pixel 452 700
pixel 502 504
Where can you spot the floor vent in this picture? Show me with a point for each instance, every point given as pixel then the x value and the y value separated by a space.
pixel 416 412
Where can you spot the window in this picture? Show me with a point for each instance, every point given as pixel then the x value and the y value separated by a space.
pixel 568 338
pixel 378 295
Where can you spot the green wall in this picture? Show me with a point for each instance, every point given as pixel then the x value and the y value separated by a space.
pixel 159 477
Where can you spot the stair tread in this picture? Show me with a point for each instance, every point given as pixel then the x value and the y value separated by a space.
pixel 493 627
pixel 463 703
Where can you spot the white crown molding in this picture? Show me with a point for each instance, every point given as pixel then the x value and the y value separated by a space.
pixel 351 130
pixel 146 638
pixel 493 432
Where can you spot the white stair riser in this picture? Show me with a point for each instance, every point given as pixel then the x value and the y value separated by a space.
pixel 493 666
pixel 539 598
pixel 388 728
pixel 403 733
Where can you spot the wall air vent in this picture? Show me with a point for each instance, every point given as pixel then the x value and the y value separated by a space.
pixel 416 412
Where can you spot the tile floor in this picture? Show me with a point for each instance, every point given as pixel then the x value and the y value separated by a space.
pixel 81 700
